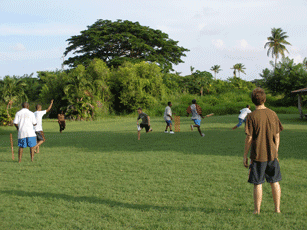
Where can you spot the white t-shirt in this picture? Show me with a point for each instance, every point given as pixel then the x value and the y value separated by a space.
pixel 195 115
pixel 39 118
pixel 25 120
pixel 168 111
pixel 244 112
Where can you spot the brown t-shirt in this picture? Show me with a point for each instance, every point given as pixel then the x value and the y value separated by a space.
pixel 263 125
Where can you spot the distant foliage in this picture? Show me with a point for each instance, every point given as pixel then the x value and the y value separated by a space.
pixel 284 78
pixel 53 83
pixel 135 85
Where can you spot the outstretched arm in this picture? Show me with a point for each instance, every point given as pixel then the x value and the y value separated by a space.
pixel 50 106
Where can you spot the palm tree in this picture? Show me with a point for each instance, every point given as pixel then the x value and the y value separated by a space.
pixel 235 68
pixel 192 69
pixel 216 69
pixel 276 43
pixel 238 67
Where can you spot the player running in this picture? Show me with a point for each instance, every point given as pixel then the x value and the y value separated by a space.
pixel 195 109
pixel 144 124
pixel 242 116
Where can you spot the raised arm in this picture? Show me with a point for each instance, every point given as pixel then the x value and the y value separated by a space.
pixel 50 106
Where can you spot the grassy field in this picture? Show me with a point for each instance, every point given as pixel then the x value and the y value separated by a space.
pixel 97 175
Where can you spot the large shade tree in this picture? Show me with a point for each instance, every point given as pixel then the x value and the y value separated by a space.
pixel 120 41
pixel 277 43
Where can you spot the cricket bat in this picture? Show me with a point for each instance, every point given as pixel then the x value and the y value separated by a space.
pixel 209 115
pixel 12 146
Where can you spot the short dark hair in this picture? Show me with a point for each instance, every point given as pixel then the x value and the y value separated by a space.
pixel 247 106
pixel 25 105
pixel 194 101
pixel 258 96
pixel 169 103
pixel 139 108
pixel 38 106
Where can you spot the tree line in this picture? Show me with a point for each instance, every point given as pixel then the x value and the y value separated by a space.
pixel 119 66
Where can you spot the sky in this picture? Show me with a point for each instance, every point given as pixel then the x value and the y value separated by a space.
pixel 33 33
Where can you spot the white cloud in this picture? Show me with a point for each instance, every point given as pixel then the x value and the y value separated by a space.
pixel 218 43
pixel 19 47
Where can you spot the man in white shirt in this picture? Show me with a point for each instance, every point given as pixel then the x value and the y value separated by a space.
pixel 24 122
pixel 242 116
pixel 39 127
pixel 168 118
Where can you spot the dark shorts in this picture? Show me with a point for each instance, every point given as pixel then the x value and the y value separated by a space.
pixel 40 136
pixel 168 122
pixel 62 125
pixel 146 126
pixel 259 171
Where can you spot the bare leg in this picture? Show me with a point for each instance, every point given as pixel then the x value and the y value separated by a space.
pixel 257 197
pixel 20 151
pixel 166 127
pixel 276 192
pixel 36 148
pixel 139 135
pixel 198 127
pixel 32 153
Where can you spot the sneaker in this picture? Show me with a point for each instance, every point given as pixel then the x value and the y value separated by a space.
pixel 165 131
pixel 171 132
pixel 192 127
pixel 202 134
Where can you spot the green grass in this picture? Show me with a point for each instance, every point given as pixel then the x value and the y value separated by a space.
pixel 97 175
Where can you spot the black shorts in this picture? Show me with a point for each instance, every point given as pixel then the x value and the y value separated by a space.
pixel 259 171
pixel 146 126
pixel 40 136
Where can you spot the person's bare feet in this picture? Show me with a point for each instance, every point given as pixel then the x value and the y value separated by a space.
pixel 256 212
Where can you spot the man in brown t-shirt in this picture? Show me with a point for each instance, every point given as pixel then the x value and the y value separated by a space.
pixel 262 138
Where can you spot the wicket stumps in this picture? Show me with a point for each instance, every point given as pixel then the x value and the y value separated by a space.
pixel 177 123
pixel 12 147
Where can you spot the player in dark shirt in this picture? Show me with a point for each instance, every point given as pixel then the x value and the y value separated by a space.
pixel 262 138
pixel 144 124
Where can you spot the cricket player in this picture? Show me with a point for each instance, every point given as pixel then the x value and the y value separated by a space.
pixel 24 122
pixel 196 116
pixel 262 138
pixel 39 127
pixel 144 124
pixel 168 118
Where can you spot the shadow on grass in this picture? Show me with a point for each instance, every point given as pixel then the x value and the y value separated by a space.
pixel 108 202
pixel 217 141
